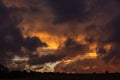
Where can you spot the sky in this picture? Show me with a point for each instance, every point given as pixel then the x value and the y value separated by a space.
pixel 71 36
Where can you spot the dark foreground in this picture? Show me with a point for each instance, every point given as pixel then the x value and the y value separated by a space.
pixel 17 75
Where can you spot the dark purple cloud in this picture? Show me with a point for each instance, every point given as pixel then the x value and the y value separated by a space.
pixel 97 20
pixel 11 38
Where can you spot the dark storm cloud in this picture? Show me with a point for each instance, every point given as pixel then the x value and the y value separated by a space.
pixel 69 14
pixel 107 34
pixel 110 35
pixel 73 12
pixel 69 10
pixel 114 27
pixel 97 20
pixel 104 30
pixel 33 43
pixel 71 49
pixel 11 38
pixel 8 30
pixel 114 38
pixel 80 10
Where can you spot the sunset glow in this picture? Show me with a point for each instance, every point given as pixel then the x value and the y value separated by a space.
pixel 71 36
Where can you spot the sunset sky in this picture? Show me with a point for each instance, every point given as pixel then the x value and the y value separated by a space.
pixel 74 36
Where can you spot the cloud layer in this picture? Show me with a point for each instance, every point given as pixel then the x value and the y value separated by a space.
pixel 77 27
pixel 12 40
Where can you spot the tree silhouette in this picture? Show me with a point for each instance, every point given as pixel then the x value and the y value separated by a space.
pixel 3 68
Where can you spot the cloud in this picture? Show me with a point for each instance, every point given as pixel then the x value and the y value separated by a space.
pixel 114 38
pixel 112 28
pixel 33 43
pixel 70 49
pixel 86 66
pixel 69 11
pixel 11 36
pixel 96 20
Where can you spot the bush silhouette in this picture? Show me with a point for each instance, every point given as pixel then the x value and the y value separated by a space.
pixel 3 69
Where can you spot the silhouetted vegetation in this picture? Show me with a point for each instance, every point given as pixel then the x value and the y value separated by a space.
pixel 3 69
pixel 5 74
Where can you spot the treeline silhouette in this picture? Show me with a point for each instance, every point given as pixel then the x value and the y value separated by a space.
pixel 5 74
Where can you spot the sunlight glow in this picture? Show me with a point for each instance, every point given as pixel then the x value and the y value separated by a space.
pixel 52 40
pixel 92 55
pixel 68 61
pixel 17 58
